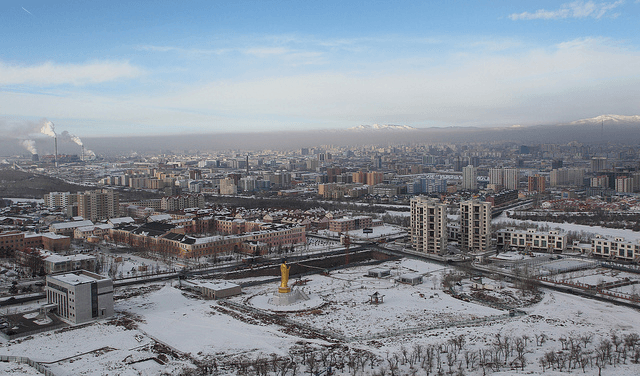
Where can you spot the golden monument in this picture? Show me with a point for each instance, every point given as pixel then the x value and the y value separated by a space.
pixel 284 278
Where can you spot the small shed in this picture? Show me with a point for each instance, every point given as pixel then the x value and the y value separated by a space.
pixel 410 278
pixel 379 272
pixel 218 290
pixel 214 290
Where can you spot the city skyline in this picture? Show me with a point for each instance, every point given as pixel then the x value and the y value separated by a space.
pixel 134 69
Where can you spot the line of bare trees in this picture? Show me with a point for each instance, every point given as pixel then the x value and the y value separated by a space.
pixel 451 357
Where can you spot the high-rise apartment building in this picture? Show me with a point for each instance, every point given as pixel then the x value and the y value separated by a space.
pixel 469 178
pixel 98 204
pixel 428 225
pixel 475 225
pixel 374 178
pixel 511 177
pixel 537 183
pixel 496 176
pixel 54 200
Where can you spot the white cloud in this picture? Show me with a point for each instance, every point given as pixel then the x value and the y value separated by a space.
pixel 567 81
pixel 49 73
pixel 576 9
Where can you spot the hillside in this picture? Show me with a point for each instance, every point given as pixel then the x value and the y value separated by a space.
pixel 21 184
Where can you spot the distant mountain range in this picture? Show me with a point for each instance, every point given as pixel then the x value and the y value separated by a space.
pixel 382 127
pixel 597 130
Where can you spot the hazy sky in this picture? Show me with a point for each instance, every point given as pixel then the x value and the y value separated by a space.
pixel 120 67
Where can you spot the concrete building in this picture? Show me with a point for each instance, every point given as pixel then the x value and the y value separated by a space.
pixel 98 204
pixel 531 240
pixel 615 248
pixel 80 296
pixel 428 225
pixel 374 178
pixel 511 178
pixel 469 178
pixel 55 263
pixel 496 176
pixel 228 187
pixel 350 223
pixel 536 183
pixel 475 225
pixel 624 184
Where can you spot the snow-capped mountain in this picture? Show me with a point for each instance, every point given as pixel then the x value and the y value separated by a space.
pixel 608 118
pixel 383 127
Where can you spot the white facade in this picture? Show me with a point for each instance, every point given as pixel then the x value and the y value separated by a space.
pixel 428 225
pixel 475 225
pixel 531 239
pixel 469 178
pixel 80 296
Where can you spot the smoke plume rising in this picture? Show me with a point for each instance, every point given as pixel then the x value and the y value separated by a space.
pixel 66 136
pixel 29 145
pixel 48 129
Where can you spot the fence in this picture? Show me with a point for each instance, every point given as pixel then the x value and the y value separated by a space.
pixel 24 360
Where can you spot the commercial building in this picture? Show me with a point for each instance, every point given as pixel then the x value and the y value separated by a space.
pixel 80 296
pixel 475 225
pixel 428 225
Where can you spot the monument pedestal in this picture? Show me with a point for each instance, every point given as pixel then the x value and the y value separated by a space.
pixel 282 299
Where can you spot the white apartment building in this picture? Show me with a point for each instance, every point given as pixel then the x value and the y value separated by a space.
pixel 469 178
pixel 428 225
pixel 475 225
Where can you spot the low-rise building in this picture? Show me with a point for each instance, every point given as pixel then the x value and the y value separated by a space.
pixel 55 263
pixel 532 240
pixel 616 248
pixel 80 296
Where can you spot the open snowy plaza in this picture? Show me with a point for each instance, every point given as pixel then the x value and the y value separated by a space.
pixel 414 329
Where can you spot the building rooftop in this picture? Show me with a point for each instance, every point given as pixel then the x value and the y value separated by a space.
pixel 77 278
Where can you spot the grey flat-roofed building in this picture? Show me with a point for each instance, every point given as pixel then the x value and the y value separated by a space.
pixel 410 278
pixel 379 272
pixel 80 296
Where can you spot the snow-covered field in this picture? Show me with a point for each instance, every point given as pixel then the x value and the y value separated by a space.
pixel 378 231
pixel 349 313
pixel 178 329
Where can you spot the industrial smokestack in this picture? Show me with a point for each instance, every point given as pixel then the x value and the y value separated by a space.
pixel 82 156
pixel 50 130
pixel 247 165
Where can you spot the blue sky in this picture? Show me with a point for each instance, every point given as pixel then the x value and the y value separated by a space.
pixel 135 68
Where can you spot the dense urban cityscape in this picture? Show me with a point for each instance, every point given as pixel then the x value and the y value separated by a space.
pixel 334 188
pixel 485 232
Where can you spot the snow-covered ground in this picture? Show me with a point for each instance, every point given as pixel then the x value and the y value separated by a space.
pixel 378 231
pixel 200 330
pixel 612 232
